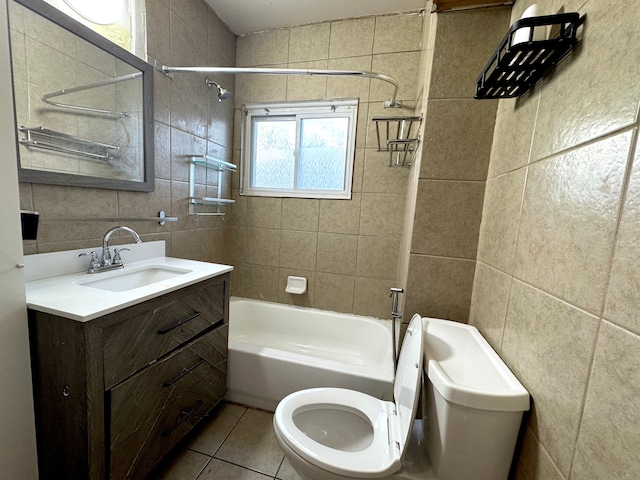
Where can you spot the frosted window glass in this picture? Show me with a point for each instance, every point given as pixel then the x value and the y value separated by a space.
pixel 323 149
pixel 299 149
pixel 274 147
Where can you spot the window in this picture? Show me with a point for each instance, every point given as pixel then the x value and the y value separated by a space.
pixel 121 21
pixel 299 149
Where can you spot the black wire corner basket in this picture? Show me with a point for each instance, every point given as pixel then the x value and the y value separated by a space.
pixel 517 66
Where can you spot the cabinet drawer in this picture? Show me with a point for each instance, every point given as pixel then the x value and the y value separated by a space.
pixel 136 342
pixel 152 410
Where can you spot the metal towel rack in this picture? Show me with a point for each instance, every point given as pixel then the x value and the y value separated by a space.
pixel 399 138
pixel 161 219
pixel 46 139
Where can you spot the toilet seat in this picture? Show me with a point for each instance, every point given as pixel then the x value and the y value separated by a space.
pixel 379 459
pixel 390 422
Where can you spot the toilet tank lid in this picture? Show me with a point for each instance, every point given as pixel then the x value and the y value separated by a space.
pixel 465 369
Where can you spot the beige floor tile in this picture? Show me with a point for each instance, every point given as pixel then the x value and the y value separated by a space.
pixel 252 444
pixel 211 436
pixel 181 465
pixel 286 472
pixel 219 470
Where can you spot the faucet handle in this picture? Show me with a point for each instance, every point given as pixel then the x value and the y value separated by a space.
pixel 116 255
pixel 94 263
pixel 395 291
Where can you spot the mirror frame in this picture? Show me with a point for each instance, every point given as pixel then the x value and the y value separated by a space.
pixel 52 14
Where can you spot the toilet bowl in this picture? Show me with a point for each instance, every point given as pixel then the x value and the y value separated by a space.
pixel 335 433
pixel 472 408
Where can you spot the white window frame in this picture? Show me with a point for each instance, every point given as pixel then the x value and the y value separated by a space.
pixel 347 108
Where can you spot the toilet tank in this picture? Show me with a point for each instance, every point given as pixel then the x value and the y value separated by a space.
pixel 473 404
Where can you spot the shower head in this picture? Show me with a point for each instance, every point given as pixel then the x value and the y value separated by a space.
pixel 223 93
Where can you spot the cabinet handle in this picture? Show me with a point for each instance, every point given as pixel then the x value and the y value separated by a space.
pixel 217 324
pixel 183 373
pixel 185 415
pixel 167 330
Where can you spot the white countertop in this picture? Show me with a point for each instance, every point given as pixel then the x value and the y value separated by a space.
pixel 65 295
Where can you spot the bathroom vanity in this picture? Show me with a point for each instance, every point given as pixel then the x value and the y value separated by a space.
pixel 117 388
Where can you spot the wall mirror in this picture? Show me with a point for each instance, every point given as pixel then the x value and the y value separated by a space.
pixel 83 105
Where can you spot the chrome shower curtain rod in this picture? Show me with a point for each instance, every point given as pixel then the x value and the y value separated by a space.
pixel 291 71
pixel 122 78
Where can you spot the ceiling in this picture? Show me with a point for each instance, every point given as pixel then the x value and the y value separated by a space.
pixel 246 16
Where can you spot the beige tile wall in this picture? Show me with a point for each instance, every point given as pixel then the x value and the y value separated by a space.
pixel 446 196
pixel 557 282
pixel 188 120
pixel 348 249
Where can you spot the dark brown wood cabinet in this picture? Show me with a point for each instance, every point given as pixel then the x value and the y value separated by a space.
pixel 113 395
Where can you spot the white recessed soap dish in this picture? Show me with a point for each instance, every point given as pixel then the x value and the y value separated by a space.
pixel 296 285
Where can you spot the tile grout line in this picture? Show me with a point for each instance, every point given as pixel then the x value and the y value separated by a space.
pixel 623 198
pixel 225 437
pixel 203 468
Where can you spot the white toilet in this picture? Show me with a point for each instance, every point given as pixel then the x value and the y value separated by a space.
pixel 472 414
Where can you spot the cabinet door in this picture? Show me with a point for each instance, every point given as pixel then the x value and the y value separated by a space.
pixel 153 410
pixel 137 341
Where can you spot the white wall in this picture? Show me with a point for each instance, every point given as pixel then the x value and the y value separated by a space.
pixel 17 428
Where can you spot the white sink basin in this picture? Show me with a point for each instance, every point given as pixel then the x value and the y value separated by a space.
pixel 128 280
pixel 58 282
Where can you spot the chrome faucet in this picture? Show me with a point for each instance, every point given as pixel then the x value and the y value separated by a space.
pixel 107 263
pixel 106 255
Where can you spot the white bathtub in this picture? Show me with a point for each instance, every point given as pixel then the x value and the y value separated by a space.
pixel 277 349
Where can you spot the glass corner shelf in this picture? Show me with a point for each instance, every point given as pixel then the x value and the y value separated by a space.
pixel 212 163
pixel 209 163
pixel 212 201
